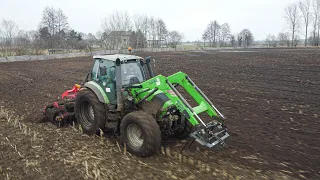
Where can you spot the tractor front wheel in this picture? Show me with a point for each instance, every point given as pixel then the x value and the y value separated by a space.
pixel 141 133
pixel 89 112
pixel 185 133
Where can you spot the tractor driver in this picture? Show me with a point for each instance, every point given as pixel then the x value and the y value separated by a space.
pixel 130 71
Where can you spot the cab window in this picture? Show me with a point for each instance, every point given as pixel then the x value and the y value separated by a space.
pixel 131 70
pixel 103 70
pixel 95 69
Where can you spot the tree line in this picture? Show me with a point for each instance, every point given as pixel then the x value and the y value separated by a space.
pixel 142 31
pixel 219 35
pixel 302 18
pixel 53 34
pixel 118 31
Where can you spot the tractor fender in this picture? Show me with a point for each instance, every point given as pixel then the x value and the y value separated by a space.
pixel 97 89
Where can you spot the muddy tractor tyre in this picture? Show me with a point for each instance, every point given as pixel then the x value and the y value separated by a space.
pixel 185 133
pixel 141 133
pixel 90 112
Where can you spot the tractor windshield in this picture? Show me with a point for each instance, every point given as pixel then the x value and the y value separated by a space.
pixel 132 71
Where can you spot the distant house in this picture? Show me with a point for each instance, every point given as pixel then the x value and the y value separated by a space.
pixel 118 39
pixel 156 43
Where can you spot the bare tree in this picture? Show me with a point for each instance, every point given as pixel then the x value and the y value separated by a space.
pixel 138 40
pixel 274 40
pixel 174 38
pixel 8 31
pixel 305 8
pixel 239 40
pixel 138 21
pixel 225 33
pixel 145 26
pixel 213 32
pixel 49 20
pixel 22 43
pixel 271 40
pixel 216 31
pixel 101 38
pixel 122 21
pixel 293 18
pixel 205 37
pixel 268 40
pixel 36 42
pixel 62 21
pixel 315 22
pixel 153 31
pixel 284 39
pixel 138 24
pixel 209 32
pixel 117 21
pixel 247 37
pixel 161 30
pixel 22 39
pixel 233 40
pixel 296 40
pixel 91 40
pixel 198 43
pixel 55 22
pixel 62 26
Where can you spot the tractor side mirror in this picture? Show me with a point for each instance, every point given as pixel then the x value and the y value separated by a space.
pixel 148 59
pixel 88 77
pixel 103 71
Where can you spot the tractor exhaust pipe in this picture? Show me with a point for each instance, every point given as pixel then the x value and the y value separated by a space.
pixel 119 85
pixel 148 59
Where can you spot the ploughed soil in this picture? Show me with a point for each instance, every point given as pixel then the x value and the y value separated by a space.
pixel 271 98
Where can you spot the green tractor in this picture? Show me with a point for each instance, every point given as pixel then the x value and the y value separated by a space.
pixel 122 89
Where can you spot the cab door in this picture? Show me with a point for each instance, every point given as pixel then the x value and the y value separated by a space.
pixel 103 73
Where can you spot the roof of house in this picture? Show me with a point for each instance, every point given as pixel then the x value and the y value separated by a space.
pixel 120 33
pixel 113 57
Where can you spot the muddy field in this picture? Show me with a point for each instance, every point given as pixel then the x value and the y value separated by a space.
pixel 271 98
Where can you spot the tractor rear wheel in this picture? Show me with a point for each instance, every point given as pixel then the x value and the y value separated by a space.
pixel 90 112
pixel 141 133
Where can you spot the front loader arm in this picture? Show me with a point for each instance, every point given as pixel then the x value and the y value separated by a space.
pixel 209 134
pixel 204 104
pixel 213 133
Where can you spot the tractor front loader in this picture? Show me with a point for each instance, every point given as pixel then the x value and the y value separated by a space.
pixel 124 90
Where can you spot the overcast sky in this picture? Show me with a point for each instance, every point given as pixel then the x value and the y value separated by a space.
pixel 188 16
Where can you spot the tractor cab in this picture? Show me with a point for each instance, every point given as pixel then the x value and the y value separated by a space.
pixel 104 72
